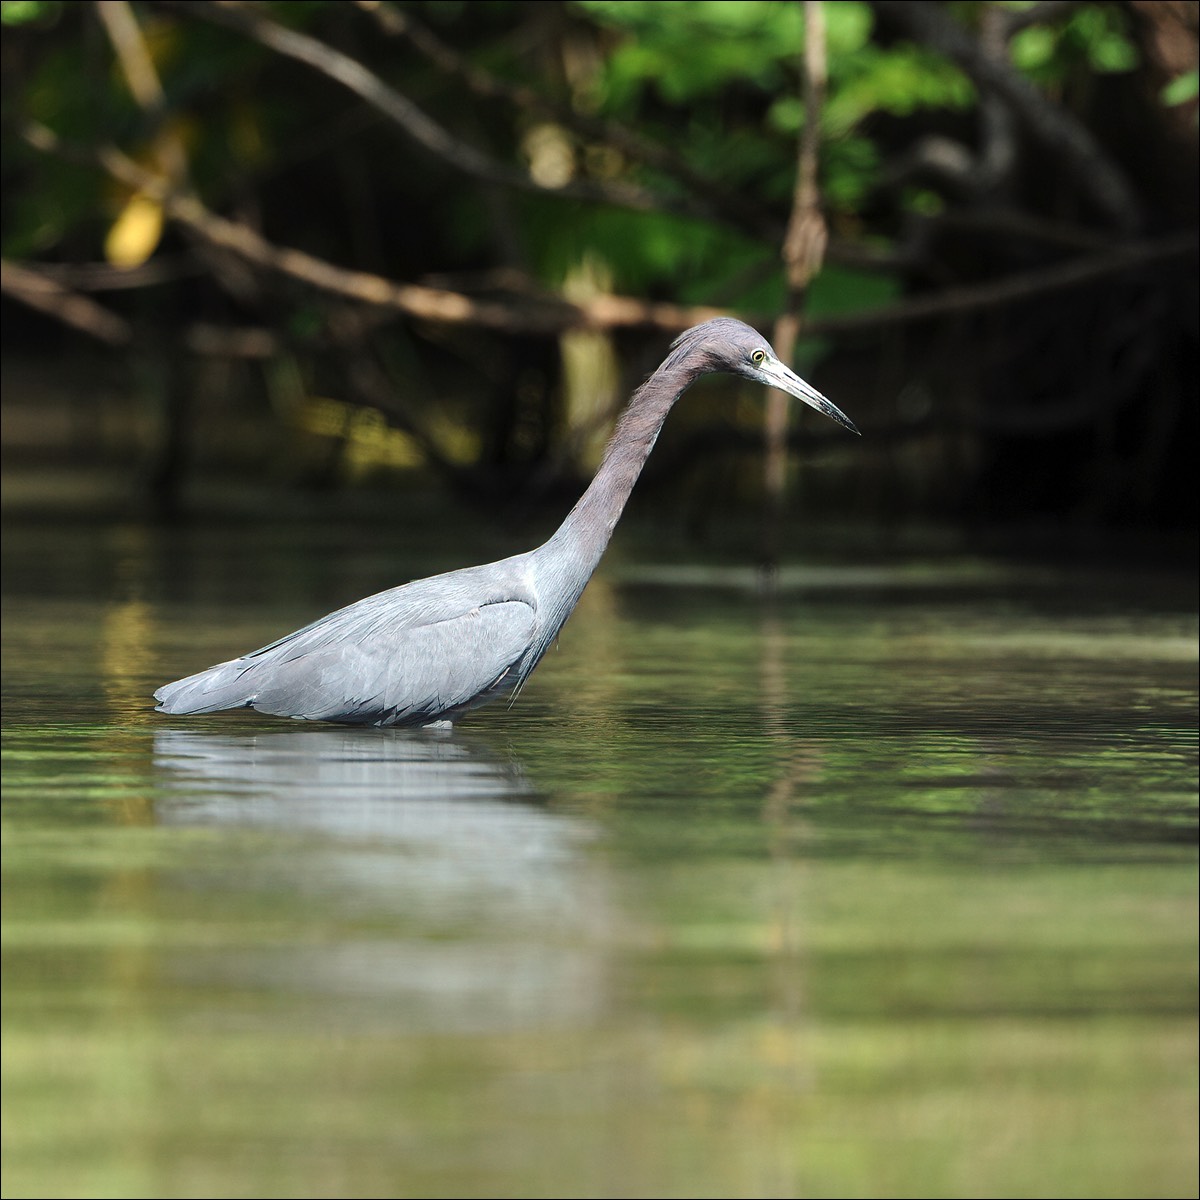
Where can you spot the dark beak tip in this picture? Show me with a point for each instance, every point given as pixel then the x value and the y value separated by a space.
pixel 843 420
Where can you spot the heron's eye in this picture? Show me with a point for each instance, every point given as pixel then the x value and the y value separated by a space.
pixel 759 356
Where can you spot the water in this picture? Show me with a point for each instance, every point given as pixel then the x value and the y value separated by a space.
pixel 886 886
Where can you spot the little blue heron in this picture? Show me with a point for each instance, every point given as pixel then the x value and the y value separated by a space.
pixel 427 652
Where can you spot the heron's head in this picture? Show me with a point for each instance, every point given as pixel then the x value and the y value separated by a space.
pixel 726 344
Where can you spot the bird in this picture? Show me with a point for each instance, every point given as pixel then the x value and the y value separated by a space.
pixel 429 651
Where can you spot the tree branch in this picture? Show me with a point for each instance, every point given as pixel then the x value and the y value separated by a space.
pixel 548 315
pixel 412 120
pixel 713 200
pixel 140 75
pixel 551 315
pixel 1056 128
pixel 1014 288
pixel 803 254
pixel 35 290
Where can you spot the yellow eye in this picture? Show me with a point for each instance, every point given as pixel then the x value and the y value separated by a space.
pixel 758 356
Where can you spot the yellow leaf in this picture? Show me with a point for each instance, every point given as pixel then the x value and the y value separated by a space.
pixel 135 233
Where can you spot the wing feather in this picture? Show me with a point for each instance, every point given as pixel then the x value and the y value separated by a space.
pixel 411 655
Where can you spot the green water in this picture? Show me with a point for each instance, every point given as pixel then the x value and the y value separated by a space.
pixel 885 886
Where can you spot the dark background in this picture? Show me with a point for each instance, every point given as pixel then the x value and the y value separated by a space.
pixel 515 206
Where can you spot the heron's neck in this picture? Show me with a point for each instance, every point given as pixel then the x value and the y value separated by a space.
pixel 589 525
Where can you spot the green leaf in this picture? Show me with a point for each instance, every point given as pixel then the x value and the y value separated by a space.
pixel 26 12
pixel 1182 88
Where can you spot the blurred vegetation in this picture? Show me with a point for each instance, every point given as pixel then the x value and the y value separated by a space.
pixel 319 242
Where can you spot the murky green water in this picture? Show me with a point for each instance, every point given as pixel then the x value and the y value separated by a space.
pixel 886 886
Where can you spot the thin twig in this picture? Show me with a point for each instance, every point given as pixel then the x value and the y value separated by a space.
pixel 104 277
pixel 34 289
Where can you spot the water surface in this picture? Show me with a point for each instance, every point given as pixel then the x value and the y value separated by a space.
pixel 883 885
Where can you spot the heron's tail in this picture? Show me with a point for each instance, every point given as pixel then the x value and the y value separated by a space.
pixel 214 690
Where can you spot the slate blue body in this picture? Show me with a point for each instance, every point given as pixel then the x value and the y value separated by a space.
pixel 431 650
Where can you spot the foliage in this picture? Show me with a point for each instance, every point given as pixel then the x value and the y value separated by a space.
pixel 651 144
pixel 717 82
pixel 25 12
pixel 1092 37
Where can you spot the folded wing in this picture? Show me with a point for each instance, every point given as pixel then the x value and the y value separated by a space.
pixel 404 657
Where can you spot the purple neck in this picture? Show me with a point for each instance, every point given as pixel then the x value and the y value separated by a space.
pixel 590 523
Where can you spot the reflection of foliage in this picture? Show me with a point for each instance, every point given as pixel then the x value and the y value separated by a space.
pixel 985 156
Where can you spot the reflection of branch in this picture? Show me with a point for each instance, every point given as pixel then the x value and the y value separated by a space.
pixel 1054 127
pixel 34 289
pixel 402 112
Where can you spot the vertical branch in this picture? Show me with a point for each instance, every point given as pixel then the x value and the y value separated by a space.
pixel 130 48
pixel 141 78
pixel 162 376
pixel 803 253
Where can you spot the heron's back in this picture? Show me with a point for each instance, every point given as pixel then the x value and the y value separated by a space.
pixel 422 652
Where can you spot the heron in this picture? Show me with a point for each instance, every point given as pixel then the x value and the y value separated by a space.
pixel 425 653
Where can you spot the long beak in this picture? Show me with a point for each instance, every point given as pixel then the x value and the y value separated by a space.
pixel 774 374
